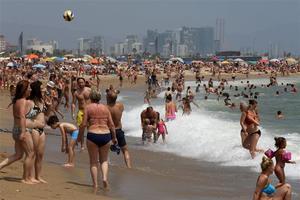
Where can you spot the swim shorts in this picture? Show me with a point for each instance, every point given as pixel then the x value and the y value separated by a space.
pixel 120 137
pixel 74 134
pixel 79 118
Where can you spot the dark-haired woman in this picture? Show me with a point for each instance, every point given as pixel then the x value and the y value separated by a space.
pixel 265 190
pixel 101 130
pixel 36 114
pixel 23 139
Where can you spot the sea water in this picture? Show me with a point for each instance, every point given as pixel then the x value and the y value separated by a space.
pixel 212 131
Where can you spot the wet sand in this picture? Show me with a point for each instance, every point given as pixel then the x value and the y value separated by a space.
pixel 154 176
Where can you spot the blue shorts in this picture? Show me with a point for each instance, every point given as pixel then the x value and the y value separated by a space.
pixel 74 134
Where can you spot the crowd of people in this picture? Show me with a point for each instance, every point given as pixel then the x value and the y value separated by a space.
pixel 38 95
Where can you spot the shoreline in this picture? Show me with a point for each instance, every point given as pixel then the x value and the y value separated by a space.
pixel 155 174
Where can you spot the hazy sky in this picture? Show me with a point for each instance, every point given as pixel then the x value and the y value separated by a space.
pixel 247 22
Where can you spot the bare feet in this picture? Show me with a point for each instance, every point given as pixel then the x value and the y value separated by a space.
pixel 29 182
pixel 95 189
pixel 68 165
pixel 33 180
pixel 105 185
pixel 41 180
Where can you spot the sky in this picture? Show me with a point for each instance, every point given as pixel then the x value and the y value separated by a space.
pixel 248 23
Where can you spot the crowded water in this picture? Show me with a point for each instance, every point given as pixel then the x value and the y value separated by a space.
pixel 212 131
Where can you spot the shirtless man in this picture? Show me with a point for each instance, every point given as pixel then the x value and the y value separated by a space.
pixel 82 95
pixel 150 114
pixel 116 109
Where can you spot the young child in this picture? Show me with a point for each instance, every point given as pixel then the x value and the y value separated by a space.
pixel 65 128
pixel 280 143
pixel 147 131
pixel 162 130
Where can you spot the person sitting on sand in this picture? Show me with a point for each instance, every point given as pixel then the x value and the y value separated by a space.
pixel 264 190
pixel 64 128
pixel 279 115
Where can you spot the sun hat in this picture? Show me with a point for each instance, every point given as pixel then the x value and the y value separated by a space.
pixel 51 84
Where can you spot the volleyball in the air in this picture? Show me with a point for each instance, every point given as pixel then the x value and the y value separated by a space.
pixel 68 15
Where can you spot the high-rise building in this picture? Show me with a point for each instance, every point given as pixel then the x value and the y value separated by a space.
pixel 182 50
pixel 130 40
pixel 2 43
pixel 37 45
pixel 220 32
pixel 137 48
pixel 97 45
pixel 150 41
pixel 84 46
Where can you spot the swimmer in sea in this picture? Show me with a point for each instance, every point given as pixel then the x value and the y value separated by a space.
pixel 279 115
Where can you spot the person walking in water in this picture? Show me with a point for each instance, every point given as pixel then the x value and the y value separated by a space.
pixel 116 110
pixel 171 108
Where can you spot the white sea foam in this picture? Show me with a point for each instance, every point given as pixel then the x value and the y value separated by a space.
pixel 211 136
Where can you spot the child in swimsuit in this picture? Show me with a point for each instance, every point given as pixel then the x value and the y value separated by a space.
pixel 162 130
pixel 147 131
pixel 66 147
pixel 280 156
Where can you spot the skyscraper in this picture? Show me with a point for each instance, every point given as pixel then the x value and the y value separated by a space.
pixel 220 32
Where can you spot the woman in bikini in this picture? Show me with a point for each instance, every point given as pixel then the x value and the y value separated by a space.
pixel 37 115
pixel 171 108
pixel 20 134
pixel 265 190
pixel 101 131
pixel 250 120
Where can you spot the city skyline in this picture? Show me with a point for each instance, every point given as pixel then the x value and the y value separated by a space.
pixel 249 24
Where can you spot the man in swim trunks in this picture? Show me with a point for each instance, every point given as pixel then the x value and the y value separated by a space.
pixel 152 115
pixel 116 110
pixel 82 95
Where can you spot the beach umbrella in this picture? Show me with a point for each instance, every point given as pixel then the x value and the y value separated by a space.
pixel 39 66
pixel 94 61
pixel 264 61
pixel 225 62
pixel 87 66
pixel 59 59
pixel 252 62
pixel 11 64
pixel 87 57
pixel 177 59
pixel 214 58
pixel 238 60
pixel 111 59
pixel 291 61
pixel 274 60
pixel 69 56
pixel 32 56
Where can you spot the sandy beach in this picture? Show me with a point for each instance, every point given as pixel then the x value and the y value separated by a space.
pixel 154 176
